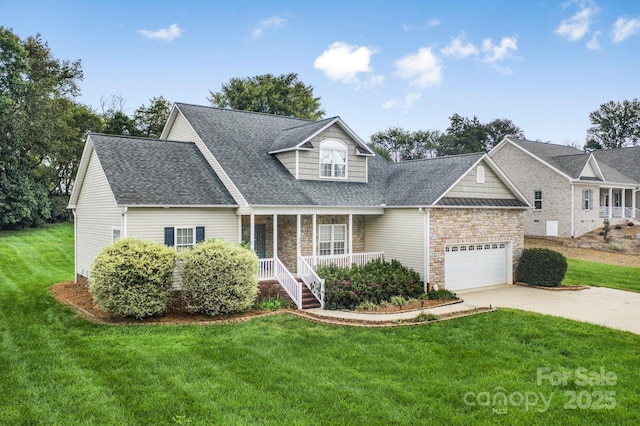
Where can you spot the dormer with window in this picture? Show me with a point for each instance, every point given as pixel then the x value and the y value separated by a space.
pixel 333 159
pixel 325 150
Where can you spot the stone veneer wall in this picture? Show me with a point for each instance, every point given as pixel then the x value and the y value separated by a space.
pixel 451 226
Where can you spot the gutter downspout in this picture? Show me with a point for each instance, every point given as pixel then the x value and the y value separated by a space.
pixel 427 245
pixel 573 211
pixel 75 246
pixel 123 223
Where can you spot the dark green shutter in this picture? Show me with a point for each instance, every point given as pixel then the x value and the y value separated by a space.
pixel 199 234
pixel 168 237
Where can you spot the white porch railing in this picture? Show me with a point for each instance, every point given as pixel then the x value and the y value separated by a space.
pixel 311 280
pixel 265 269
pixel 288 282
pixel 620 212
pixel 343 260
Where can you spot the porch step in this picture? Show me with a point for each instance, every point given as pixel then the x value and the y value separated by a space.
pixel 309 301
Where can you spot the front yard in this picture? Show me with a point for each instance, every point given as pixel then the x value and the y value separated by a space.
pixel 58 368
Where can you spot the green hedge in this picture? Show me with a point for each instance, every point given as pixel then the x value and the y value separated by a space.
pixel 541 267
pixel 374 282
pixel 132 278
pixel 219 277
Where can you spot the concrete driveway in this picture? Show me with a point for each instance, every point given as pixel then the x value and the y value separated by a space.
pixel 603 306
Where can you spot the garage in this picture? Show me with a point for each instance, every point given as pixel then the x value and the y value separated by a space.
pixel 476 265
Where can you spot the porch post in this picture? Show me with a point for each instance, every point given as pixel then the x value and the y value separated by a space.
pixel 298 243
pixel 275 235
pixel 314 236
pixel 610 202
pixel 252 231
pixel 633 204
pixel 350 238
pixel 239 228
pixel 622 201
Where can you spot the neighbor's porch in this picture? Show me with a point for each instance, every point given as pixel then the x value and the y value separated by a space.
pixel 618 203
pixel 291 247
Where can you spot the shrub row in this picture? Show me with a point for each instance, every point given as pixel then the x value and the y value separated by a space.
pixel 133 278
pixel 375 282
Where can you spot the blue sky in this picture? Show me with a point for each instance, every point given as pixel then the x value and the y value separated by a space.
pixel 542 64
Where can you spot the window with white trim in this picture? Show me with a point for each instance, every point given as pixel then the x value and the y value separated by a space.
pixel 332 239
pixel 537 200
pixel 333 159
pixel 587 199
pixel 480 174
pixel 115 234
pixel 185 238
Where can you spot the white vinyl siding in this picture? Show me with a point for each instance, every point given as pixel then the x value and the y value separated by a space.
pixel 149 223
pixel 181 130
pixel 491 186
pixel 288 159
pixel 400 234
pixel 96 216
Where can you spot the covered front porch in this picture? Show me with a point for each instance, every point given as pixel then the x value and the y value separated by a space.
pixel 291 246
pixel 619 203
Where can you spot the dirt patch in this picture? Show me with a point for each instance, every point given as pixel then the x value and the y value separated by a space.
pixel 621 250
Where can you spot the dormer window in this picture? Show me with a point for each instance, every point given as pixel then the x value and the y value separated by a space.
pixel 333 159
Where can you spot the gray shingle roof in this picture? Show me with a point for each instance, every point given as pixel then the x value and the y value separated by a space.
pixel 290 138
pixel 480 202
pixel 158 172
pixel 624 160
pixel 421 182
pixel 241 142
pixel 617 165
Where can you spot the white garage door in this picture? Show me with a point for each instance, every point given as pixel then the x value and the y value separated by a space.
pixel 475 265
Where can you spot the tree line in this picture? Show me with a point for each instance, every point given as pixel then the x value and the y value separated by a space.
pixel 43 127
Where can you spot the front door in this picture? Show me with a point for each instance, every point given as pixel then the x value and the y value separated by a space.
pixel 260 232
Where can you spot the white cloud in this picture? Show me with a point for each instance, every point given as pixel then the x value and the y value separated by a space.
pixel 166 34
pixel 406 103
pixel 424 69
pixel 498 52
pixel 625 28
pixel 458 49
pixel 594 43
pixel 431 23
pixel 268 24
pixel 343 62
pixel 577 26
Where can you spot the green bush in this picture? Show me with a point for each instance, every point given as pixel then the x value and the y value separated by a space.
pixel 132 278
pixel 375 282
pixel 541 267
pixel 440 294
pixel 219 277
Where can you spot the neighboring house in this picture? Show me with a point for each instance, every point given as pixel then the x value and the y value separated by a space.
pixel 302 193
pixel 572 191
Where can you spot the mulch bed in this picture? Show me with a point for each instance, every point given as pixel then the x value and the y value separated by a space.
pixel 79 298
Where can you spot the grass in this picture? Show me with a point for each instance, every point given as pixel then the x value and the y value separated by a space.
pixel 602 275
pixel 57 368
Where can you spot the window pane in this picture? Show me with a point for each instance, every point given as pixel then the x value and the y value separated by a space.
pixel 325 233
pixel 338 247
pixel 325 249
pixel 325 170
pixel 339 233
pixel 340 170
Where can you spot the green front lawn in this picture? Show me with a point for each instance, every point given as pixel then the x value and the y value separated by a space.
pixel 57 368
pixel 602 275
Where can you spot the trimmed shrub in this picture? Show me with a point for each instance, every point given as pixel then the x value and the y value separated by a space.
pixel 219 277
pixel 541 267
pixel 375 282
pixel 132 278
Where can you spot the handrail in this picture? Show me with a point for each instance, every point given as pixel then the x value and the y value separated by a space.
pixel 265 269
pixel 288 282
pixel 343 260
pixel 311 279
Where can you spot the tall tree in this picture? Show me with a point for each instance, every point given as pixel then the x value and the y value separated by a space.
pixel 615 124
pixel 280 95
pixel 401 145
pixel 116 121
pixel 32 84
pixel 466 135
pixel 150 120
